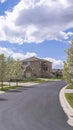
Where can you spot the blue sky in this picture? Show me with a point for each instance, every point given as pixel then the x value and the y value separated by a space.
pixel 42 28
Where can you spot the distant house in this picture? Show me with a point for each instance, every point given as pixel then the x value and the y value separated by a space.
pixel 36 67
pixel 57 72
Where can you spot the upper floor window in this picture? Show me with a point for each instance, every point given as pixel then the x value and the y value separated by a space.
pixel 28 63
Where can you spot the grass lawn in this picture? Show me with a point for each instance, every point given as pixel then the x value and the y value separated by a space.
pixel 69 87
pixel 8 88
pixel 38 80
pixel 3 85
pixel 35 80
pixel 69 97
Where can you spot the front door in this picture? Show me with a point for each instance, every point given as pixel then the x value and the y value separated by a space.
pixel 28 74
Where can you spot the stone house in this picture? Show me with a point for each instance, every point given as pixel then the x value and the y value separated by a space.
pixel 36 67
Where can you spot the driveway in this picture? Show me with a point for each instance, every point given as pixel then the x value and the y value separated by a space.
pixel 33 108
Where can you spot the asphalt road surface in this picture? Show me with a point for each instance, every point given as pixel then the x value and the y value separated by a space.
pixel 34 108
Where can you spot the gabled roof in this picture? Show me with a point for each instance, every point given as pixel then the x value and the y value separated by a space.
pixel 30 59
pixel 34 59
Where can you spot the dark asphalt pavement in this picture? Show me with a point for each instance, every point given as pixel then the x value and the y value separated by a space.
pixel 34 108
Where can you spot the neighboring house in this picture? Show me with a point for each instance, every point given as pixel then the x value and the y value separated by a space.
pixel 57 72
pixel 36 67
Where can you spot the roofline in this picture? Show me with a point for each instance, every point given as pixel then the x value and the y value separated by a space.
pixel 36 59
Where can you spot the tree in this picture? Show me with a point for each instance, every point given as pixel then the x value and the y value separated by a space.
pixel 68 65
pixel 18 71
pixel 2 68
pixel 14 70
pixel 9 69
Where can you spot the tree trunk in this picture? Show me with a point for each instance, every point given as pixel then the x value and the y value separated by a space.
pixel 2 84
pixel 9 83
pixel 16 83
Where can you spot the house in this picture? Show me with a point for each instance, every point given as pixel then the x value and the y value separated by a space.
pixel 57 72
pixel 36 67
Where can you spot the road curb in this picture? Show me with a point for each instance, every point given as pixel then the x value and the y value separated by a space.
pixel 66 107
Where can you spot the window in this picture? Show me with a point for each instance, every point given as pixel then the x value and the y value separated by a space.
pixel 28 63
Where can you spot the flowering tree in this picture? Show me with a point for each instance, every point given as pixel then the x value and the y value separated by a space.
pixel 2 68
pixel 68 65
pixel 10 69
pixel 18 71
pixel 14 70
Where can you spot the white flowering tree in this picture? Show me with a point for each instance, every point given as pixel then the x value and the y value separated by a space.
pixel 9 69
pixel 17 71
pixel 2 69
pixel 14 70
pixel 68 65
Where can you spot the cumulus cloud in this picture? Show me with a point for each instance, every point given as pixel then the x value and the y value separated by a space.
pixel 56 64
pixel 8 52
pixel 2 1
pixel 23 56
pixel 37 20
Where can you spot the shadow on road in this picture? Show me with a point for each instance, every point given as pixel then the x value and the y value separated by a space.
pixel 26 87
pixel 3 99
pixel 16 91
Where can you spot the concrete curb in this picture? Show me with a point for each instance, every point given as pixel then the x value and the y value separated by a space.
pixel 66 107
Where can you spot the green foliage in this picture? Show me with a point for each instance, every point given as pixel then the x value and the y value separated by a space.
pixel 10 69
pixel 68 65
pixel 18 71
pixel 2 68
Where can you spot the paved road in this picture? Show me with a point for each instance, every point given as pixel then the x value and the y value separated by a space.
pixel 34 108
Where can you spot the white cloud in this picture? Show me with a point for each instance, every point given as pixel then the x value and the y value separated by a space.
pixel 5 51
pixel 2 1
pixel 36 21
pixel 8 52
pixel 57 64
pixel 23 56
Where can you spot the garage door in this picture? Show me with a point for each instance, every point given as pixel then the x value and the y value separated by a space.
pixel 28 74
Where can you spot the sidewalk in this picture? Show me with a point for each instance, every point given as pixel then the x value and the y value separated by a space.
pixel 65 105
pixel 1 92
pixel 26 84
pixel 21 84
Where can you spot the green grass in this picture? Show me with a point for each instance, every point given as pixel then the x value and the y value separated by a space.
pixel 3 85
pixel 39 80
pixel 69 87
pixel 69 97
pixel 8 88
pixel 36 80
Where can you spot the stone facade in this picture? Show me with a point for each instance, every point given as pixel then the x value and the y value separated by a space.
pixel 36 67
